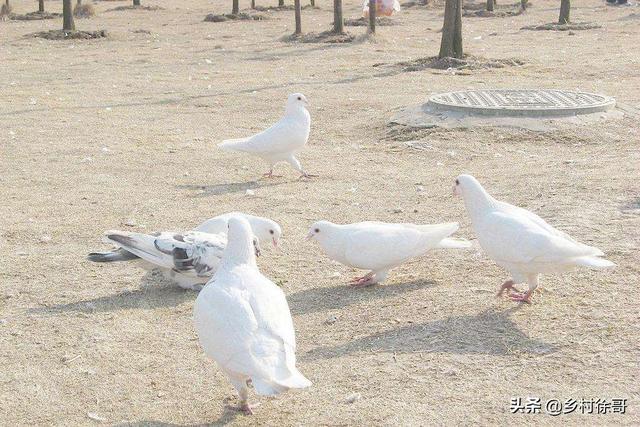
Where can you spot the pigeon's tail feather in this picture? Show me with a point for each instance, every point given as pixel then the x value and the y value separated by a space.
pixel 594 262
pixel 142 245
pixel 238 144
pixel 112 256
pixel 453 244
pixel 275 386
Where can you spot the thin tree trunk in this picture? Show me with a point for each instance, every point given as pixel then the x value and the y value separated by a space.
pixel 313 3
pixel 236 7
pixel 253 4
pixel 523 4
pixel 372 16
pixel 338 22
pixel 565 9
pixel 67 14
pixel 136 2
pixel 280 3
pixel 490 5
pixel 41 6
pixel 451 44
pixel 298 13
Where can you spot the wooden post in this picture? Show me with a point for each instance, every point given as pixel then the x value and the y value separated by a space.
pixel 67 16
pixel 372 16
pixel 565 12
pixel 298 13
pixel 338 21
pixel 451 44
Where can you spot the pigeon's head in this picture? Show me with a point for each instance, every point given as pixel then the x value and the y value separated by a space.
pixel 318 230
pixel 266 230
pixel 464 185
pixel 297 100
pixel 242 245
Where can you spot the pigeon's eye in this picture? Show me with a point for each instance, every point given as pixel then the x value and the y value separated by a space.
pixel 457 182
pixel 270 231
pixel 317 230
pixel 299 98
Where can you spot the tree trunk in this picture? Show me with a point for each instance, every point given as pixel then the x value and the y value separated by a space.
pixel 490 5
pixel 565 9
pixel 451 44
pixel 136 2
pixel 67 15
pixel 338 21
pixel 298 13
pixel 313 3
pixel 253 4
pixel 523 4
pixel 236 7
pixel 280 3
pixel 41 6
pixel 372 16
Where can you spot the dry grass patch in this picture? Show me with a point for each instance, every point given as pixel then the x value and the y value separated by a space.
pixel 469 62
pixel 235 17
pixel 554 26
pixel 70 35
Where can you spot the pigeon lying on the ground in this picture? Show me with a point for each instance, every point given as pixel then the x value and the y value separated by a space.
pixel 281 141
pixel 243 323
pixel 187 259
pixel 380 246
pixel 520 241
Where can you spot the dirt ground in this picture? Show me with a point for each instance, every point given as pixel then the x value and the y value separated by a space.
pixel 96 134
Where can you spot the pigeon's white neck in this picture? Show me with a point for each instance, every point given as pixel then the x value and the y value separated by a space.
pixel 239 251
pixel 477 200
pixel 295 110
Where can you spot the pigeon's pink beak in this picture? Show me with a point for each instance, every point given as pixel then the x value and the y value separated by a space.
pixel 275 242
pixel 456 191
pixel 309 236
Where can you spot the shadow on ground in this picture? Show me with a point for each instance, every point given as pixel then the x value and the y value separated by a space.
pixel 154 293
pixel 335 297
pixel 228 188
pixel 490 332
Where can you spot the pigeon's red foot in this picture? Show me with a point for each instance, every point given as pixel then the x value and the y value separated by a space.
pixel 271 175
pixel 246 408
pixel 366 280
pixel 521 297
pixel 307 176
pixel 509 284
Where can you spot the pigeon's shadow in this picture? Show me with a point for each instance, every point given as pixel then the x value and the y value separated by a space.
pixel 154 292
pixel 335 297
pixel 228 416
pixel 228 188
pixel 491 332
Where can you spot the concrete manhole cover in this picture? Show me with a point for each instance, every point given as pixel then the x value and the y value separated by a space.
pixel 521 102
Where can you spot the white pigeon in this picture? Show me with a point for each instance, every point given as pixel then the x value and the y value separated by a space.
pixel 380 246
pixel 187 259
pixel 243 323
pixel 520 241
pixel 281 141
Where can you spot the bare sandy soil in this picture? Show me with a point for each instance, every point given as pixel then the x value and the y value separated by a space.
pixel 96 134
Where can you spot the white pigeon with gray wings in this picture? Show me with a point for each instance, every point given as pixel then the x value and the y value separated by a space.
pixel 244 324
pixel 187 259
pixel 280 142
pixel 380 246
pixel 520 241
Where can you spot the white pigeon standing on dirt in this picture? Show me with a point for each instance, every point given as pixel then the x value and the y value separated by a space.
pixel 281 141
pixel 187 259
pixel 243 323
pixel 380 246
pixel 522 242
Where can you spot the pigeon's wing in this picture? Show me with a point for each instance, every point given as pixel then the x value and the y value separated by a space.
pixel 194 253
pixel 534 218
pixel 516 238
pixel 248 330
pixel 286 135
pixel 373 245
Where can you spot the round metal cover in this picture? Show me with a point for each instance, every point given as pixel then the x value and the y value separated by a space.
pixel 522 102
